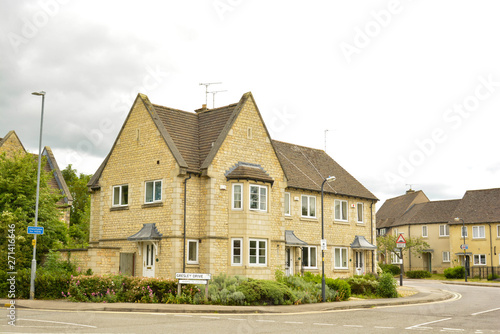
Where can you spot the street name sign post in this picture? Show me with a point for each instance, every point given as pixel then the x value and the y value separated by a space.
pixel 193 278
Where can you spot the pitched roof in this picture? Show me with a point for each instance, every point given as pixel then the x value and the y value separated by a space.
pixel 394 208
pixel 58 178
pixel 478 206
pixel 7 136
pixel 248 171
pixel 428 213
pixel 306 168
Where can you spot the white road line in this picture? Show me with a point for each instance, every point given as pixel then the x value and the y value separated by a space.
pixel 353 326
pixel 426 323
pixel 293 322
pixel 495 309
pixel 59 322
pixel 453 329
pixel 321 324
pixel 260 320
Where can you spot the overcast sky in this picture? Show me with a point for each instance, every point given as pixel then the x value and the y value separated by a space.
pixel 409 91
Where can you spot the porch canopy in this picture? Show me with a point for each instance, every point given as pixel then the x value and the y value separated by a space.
pixel 292 240
pixel 148 233
pixel 361 243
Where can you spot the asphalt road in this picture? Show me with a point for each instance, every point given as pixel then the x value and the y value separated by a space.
pixel 474 310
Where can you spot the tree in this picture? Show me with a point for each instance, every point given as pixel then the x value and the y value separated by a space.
pixel 80 209
pixel 387 243
pixel 18 178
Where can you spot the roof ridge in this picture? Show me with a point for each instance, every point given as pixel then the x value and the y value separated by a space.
pixel 173 109
pixel 302 146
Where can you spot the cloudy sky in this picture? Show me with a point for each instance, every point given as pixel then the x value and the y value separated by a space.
pixel 409 91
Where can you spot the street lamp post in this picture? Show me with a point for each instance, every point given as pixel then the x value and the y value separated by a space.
pixel 323 284
pixel 465 254
pixel 33 262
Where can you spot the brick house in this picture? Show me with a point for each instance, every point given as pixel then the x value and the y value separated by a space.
pixel 211 192
pixel 414 215
pixel 10 145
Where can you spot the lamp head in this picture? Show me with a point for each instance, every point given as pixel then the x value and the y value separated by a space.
pixel 40 93
pixel 330 179
pixel 457 219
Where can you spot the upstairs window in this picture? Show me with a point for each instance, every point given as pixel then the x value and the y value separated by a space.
pixel 444 230
pixel 258 197
pixel 424 231
pixel 360 209
pixel 478 232
pixel 237 196
pixel 308 206
pixel 120 195
pixel 340 210
pixel 153 191
pixel 287 204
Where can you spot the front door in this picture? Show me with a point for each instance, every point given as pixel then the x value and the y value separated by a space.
pixel 148 256
pixel 288 261
pixel 359 262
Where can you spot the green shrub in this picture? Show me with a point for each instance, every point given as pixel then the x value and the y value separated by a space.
pixel 390 268
pixel 455 272
pixel 340 286
pixel 262 292
pixel 387 286
pixel 418 274
pixel 362 286
pixel 491 277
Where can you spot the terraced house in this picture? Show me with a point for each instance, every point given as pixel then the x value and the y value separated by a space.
pixel 210 192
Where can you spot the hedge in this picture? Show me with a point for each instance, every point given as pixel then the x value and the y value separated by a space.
pixel 418 274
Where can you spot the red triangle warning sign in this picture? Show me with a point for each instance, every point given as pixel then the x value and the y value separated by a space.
pixel 401 239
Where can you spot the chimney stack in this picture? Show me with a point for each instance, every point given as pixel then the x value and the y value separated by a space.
pixel 203 108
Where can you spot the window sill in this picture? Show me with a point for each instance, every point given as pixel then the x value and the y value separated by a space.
pixel 311 219
pixel 152 205
pixel 119 208
pixel 360 223
pixel 478 239
pixel 341 222
pixel 340 268
pixel 289 217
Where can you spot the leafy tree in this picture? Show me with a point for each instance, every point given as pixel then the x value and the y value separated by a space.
pixel 414 245
pixel 18 178
pixel 80 209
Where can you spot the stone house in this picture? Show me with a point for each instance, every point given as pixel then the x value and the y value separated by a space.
pixel 10 145
pixel 414 215
pixel 211 192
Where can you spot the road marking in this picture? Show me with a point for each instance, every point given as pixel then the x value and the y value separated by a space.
pixel 495 309
pixel 260 320
pixel 59 322
pixel 426 323
pixel 452 329
pixel 321 324
pixel 293 322
pixel 353 326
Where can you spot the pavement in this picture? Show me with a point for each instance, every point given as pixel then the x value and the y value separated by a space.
pixel 414 295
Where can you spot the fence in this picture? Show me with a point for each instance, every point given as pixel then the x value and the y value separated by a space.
pixel 483 272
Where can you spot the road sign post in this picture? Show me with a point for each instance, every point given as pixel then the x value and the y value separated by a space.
pixel 401 243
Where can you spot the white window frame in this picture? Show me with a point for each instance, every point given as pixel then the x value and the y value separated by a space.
pixel 395 259
pixel 425 231
pixel 343 255
pixel 476 230
pixel 446 230
pixel 310 250
pixel 257 254
pixel 261 205
pixel 233 263
pixel 196 242
pixel 446 256
pixel 308 206
pixel 288 206
pixel 120 193
pixel 341 203
pixel 477 258
pixel 498 231
pixel 154 182
pixel 233 195
pixel 462 230
pixel 382 231
pixel 362 212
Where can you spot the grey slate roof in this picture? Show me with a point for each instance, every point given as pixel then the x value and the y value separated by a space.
pixel 149 231
pixel 361 243
pixel 396 207
pixel 292 240
pixel 478 206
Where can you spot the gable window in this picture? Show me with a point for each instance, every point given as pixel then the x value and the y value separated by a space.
pixel 257 252
pixel 444 230
pixel 478 232
pixel 446 256
pixel 236 251
pixel 287 204
pixel 359 209
pixel 153 191
pixel 464 231
pixel 308 206
pixel 340 258
pixel 120 195
pixel 192 257
pixel 479 259
pixel 309 256
pixel 258 197
pixel 340 210
pixel 382 231
pixel 424 231
pixel 237 196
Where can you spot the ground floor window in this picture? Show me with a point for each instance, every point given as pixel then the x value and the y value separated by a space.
pixel 395 259
pixel 192 252
pixel 257 252
pixel 446 256
pixel 479 259
pixel 340 261
pixel 236 251
pixel 309 257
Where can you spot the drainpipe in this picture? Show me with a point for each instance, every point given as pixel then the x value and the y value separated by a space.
pixel 371 236
pixel 491 250
pixel 409 250
pixel 184 248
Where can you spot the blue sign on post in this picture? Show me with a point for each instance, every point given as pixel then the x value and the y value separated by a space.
pixel 35 229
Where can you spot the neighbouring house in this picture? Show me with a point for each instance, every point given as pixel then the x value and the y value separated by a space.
pixel 11 145
pixel 414 215
pixel 210 192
